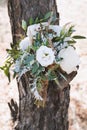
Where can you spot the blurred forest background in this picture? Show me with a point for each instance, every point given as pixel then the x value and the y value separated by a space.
pixel 70 11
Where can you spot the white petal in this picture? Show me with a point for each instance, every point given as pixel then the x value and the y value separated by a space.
pixel 67 39
pixel 34 28
pixel 55 28
pixel 25 43
pixel 70 59
pixel 45 56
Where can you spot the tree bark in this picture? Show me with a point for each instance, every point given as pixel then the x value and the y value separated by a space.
pixel 54 116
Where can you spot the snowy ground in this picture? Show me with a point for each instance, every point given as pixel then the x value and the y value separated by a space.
pixel 70 11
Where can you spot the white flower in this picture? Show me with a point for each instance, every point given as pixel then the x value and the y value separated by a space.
pixel 56 29
pixel 27 41
pixel 45 56
pixel 34 28
pixel 70 59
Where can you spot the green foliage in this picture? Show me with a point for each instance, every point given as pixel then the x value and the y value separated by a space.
pixel 13 55
pixel 78 37
pixel 67 32
pixel 51 75
pixel 56 39
pixel 37 69
pixel 47 16
pixel 38 20
pixel 14 52
pixel 24 25
pixel 6 68
pixel 31 21
pixel 29 60
pixel 26 60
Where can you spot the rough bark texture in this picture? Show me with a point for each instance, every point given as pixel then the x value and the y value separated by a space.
pixel 54 116
pixel 25 9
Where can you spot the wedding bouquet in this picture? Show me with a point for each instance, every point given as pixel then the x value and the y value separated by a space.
pixel 43 52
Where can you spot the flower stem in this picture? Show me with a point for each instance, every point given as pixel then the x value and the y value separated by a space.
pixel 58 84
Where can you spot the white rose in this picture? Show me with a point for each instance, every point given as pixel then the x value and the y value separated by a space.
pixel 70 59
pixel 45 56
pixel 27 41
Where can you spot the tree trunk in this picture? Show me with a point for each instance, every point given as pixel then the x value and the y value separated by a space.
pixel 54 116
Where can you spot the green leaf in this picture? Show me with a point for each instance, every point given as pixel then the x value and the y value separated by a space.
pixel 54 19
pixel 48 15
pixel 71 41
pixel 28 60
pixel 7 73
pixel 39 85
pixel 31 21
pixel 62 32
pixel 37 20
pixel 42 20
pixel 14 53
pixel 56 39
pixel 40 69
pixel 34 48
pixel 46 43
pixel 51 75
pixel 35 68
pixel 78 37
pixel 6 68
pixel 24 25
pixel 71 30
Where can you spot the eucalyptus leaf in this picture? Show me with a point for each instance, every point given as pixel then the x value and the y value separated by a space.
pixel 22 71
pixel 35 67
pixel 24 25
pixel 40 70
pixel 28 60
pixel 17 66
